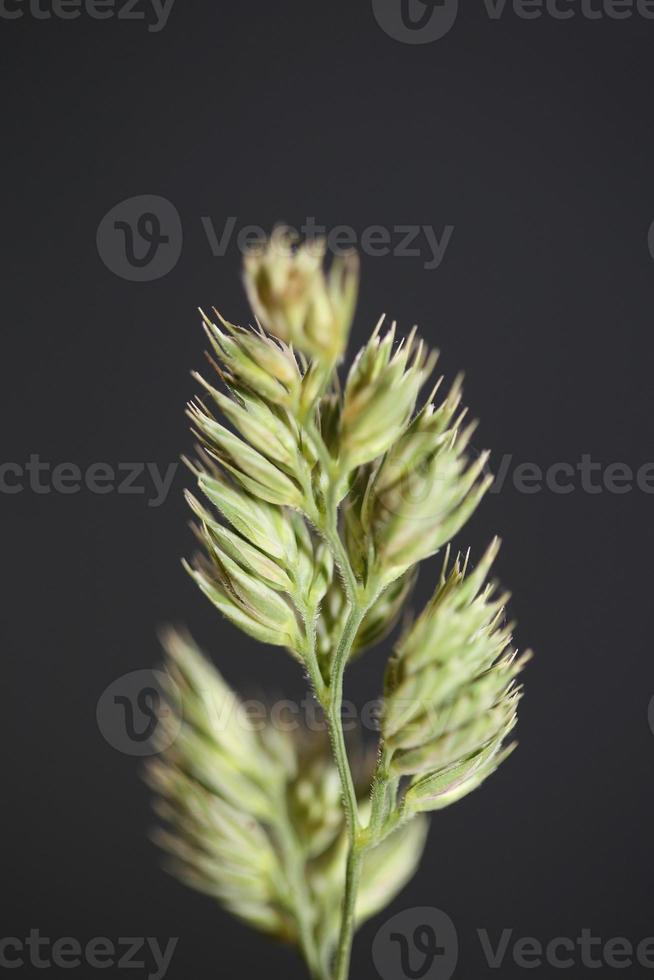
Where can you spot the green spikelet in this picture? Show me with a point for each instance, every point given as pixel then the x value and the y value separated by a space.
pixel 451 697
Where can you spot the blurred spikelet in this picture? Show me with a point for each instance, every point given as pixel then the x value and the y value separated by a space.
pixel 231 800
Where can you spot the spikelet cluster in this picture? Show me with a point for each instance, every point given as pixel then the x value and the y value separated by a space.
pixel 317 497
pixel 240 803
pixel 295 300
pixel 451 697
pixel 419 495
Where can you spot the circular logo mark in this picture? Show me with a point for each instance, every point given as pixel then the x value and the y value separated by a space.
pixel 417 944
pixel 140 239
pixel 140 713
pixel 416 21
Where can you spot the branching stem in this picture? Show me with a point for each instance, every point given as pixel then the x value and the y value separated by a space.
pixel 356 614
pixel 359 601
pixel 334 714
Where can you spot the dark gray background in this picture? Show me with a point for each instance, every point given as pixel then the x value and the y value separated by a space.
pixel 534 139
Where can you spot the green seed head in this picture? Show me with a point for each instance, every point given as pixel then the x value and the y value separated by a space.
pixel 294 299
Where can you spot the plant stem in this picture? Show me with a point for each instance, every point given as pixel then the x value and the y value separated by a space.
pixel 356 614
pixel 379 800
pixel 393 822
pixel 352 588
pixel 352 876
pixel 357 610
pixel 359 601
pixel 311 660
pixel 335 706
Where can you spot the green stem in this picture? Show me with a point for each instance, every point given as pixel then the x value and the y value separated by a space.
pixel 397 819
pixel 364 840
pixel 384 797
pixel 356 614
pixel 352 588
pixel 352 877
pixel 378 801
pixel 357 611
pixel 335 707
pixel 310 658
pixel 359 601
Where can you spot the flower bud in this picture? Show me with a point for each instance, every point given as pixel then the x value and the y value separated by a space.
pixel 380 396
pixel 247 602
pixel 295 300
pixel 257 474
pixel 264 365
pixel 258 522
pixel 267 428
pixel 425 489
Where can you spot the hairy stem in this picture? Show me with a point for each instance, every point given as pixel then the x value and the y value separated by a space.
pixel 356 614
pixel 358 606
pixel 379 799
pixel 352 876
pixel 359 601
pixel 315 675
pixel 335 707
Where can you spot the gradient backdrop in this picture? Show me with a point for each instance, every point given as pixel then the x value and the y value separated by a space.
pixel 532 139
